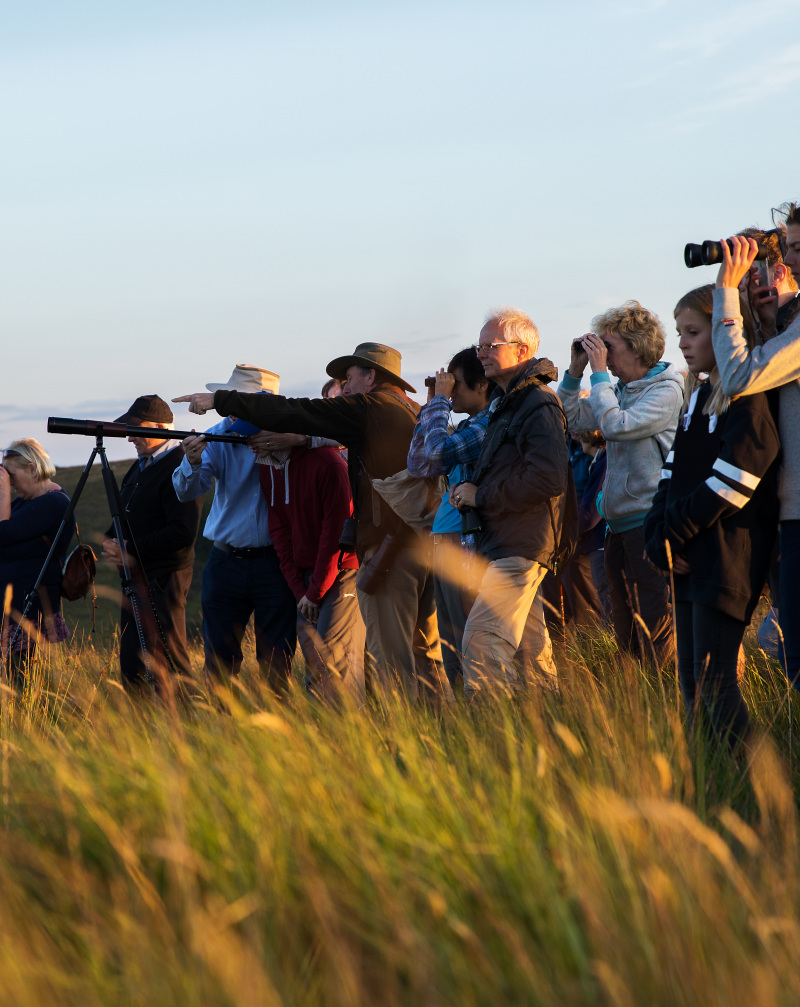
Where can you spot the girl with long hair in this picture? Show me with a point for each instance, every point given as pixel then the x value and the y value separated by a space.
pixel 716 506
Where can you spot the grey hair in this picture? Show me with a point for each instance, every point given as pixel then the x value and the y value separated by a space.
pixel 516 325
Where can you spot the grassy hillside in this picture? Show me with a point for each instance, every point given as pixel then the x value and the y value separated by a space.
pixel 562 849
pixel 93 520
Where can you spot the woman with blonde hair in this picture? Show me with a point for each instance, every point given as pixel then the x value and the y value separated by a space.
pixel 638 417
pixel 28 525
pixel 717 508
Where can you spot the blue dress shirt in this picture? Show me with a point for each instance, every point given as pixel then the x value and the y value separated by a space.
pixel 239 513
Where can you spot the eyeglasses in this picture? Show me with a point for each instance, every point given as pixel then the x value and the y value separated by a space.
pixel 492 347
pixel 10 453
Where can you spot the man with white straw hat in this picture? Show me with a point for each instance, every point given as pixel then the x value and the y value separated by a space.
pixel 374 419
pixel 242 576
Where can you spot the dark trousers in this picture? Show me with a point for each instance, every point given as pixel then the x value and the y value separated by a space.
pixel 454 594
pixel 163 621
pixel 578 583
pixel 708 653
pixel 234 588
pixel 634 586
pixel 789 598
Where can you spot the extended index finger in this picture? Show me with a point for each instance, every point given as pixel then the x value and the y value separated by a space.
pixel 183 398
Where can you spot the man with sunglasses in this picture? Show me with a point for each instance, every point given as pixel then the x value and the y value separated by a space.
pixel 520 489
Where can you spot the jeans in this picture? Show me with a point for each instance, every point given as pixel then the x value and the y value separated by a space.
pixel 708 653
pixel 454 597
pixel 789 598
pixel 234 588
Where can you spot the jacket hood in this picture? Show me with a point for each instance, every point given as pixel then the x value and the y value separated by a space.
pixel 665 372
pixel 538 371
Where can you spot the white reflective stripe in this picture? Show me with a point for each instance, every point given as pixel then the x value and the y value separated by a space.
pixel 731 495
pixel 738 475
pixel 670 459
pixel 666 473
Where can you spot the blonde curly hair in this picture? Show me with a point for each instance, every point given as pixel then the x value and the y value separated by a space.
pixel 640 330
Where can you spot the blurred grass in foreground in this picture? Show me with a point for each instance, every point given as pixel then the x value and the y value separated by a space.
pixel 561 850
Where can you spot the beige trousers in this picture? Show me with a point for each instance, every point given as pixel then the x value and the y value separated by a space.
pixel 403 650
pixel 508 611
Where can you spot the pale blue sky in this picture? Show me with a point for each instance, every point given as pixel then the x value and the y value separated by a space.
pixel 187 186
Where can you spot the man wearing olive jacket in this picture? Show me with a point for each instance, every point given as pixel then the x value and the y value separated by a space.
pixel 520 489
pixel 374 420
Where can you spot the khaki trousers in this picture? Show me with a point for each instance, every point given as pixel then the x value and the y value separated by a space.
pixel 403 650
pixel 507 612
pixel 334 648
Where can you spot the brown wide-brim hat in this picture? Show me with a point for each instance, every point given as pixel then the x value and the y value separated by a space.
pixel 384 359
pixel 147 409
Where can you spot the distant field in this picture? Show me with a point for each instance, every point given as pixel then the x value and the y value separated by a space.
pixel 561 849
pixel 93 521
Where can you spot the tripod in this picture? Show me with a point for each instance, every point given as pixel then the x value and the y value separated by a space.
pixel 114 506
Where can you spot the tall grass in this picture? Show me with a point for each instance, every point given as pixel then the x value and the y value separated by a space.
pixel 561 849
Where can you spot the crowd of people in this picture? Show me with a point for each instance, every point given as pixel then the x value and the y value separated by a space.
pixel 406 554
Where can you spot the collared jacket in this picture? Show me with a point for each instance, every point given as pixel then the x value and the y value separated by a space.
pixel 376 428
pixel 638 421
pixel 522 472
pixel 160 530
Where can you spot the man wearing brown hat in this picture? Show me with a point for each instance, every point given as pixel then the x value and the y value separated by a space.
pixel 160 532
pixel 374 419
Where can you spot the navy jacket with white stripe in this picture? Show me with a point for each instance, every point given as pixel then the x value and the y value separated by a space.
pixel 717 503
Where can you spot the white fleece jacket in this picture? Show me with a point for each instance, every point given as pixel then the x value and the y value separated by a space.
pixel 638 421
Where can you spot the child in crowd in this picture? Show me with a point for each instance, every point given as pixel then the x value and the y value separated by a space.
pixel 716 505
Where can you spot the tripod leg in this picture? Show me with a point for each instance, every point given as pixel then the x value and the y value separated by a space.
pixel 128 586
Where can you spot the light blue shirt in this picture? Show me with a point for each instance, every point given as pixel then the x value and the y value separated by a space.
pixel 239 513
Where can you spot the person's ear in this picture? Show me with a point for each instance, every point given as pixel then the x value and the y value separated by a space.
pixel 779 273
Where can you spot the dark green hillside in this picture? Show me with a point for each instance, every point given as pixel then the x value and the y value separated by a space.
pixel 93 520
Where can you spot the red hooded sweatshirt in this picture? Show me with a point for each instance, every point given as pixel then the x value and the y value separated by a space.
pixel 309 499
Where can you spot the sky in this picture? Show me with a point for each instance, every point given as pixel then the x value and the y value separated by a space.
pixel 190 185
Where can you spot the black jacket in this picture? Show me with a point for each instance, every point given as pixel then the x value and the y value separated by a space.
pixel 522 473
pixel 375 428
pixel 159 529
pixel 717 503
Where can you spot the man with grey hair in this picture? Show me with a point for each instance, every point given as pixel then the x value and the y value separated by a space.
pixel 520 489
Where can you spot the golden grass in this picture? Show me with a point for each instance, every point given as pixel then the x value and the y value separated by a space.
pixel 561 849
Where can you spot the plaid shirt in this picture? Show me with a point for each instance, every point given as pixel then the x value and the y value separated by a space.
pixel 434 452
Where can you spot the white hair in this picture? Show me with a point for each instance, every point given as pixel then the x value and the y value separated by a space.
pixel 516 326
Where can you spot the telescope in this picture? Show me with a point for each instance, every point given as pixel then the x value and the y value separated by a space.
pixel 106 428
